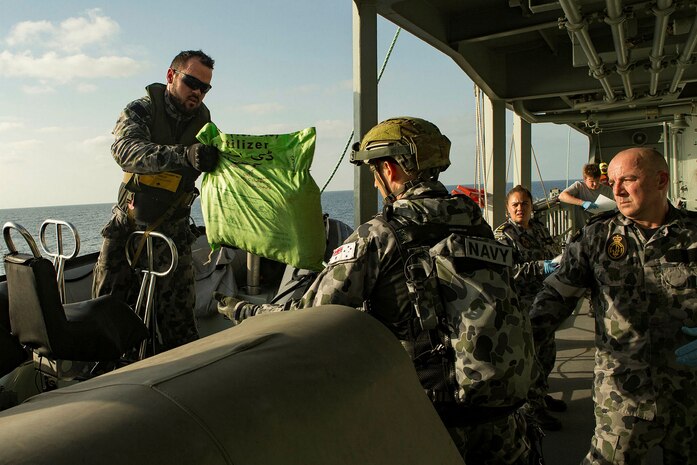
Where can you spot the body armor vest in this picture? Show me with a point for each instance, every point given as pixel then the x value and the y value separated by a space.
pixel 151 195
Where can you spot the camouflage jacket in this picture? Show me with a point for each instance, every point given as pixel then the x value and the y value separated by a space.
pixel 133 147
pixel 151 137
pixel 531 247
pixel 643 291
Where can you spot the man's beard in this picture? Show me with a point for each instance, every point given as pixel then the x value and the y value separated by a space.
pixel 179 105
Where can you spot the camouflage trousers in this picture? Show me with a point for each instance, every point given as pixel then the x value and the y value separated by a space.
pixel 174 296
pixel 621 439
pixel 500 442
pixel 546 356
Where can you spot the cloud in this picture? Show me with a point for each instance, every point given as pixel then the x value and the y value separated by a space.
pixel 85 88
pixel 98 142
pixel 53 130
pixel 10 125
pixel 75 33
pixel 71 35
pixel 17 152
pixel 28 32
pixel 64 52
pixel 38 89
pixel 65 68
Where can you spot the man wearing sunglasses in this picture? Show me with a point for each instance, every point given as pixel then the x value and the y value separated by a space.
pixel 156 148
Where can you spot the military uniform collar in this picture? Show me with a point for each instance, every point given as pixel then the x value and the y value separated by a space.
pixel 532 223
pixel 425 188
pixel 674 216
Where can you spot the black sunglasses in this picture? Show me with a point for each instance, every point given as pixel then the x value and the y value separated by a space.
pixel 193 83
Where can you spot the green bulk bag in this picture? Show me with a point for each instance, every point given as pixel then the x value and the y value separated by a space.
pixel 261 197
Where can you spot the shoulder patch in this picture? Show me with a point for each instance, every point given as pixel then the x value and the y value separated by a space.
pixel 500 232
pixel 344 252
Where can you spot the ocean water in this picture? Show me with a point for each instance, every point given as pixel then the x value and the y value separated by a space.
pixel 88 220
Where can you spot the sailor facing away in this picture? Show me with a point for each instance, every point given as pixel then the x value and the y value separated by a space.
pixel 368 271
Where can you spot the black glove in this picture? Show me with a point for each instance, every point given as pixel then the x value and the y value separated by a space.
pixel 202 157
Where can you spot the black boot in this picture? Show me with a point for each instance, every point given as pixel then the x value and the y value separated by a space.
pixel 555 405
pixel 546 421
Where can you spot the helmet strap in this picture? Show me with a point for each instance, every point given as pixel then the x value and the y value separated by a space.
pixel 389 195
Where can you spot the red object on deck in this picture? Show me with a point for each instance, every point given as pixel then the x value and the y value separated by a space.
pixel 475 194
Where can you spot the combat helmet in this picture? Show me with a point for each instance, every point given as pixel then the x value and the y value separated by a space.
pixel 415 144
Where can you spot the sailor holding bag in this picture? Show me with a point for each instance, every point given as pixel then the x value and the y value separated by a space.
pixel 156 147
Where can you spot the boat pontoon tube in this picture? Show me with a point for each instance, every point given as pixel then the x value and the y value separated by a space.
pixel 328 385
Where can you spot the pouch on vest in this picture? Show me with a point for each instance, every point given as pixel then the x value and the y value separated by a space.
pixel 491 336
pixel 153 194
pixel 481 352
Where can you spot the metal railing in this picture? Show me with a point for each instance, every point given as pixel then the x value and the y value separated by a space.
pixel 558 218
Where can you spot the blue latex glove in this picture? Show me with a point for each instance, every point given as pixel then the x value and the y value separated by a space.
pixel 549 267
pixel 687 354
pixel 588 204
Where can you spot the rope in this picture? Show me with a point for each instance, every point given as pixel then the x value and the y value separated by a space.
pixel 511 147
pixel 480 149
pixel 568 155
pixel 348 142
pixel 477 148
pixel 539 175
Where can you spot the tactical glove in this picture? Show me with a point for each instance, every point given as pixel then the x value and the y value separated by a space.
pixel 687 354
pixel 231 307
pixel 202 157
pixel 588 205
pixel 549 267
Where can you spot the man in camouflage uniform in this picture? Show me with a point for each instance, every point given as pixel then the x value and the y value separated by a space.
pixel 155 146
pixel 367 271
pixel 640 267
pixel 533 251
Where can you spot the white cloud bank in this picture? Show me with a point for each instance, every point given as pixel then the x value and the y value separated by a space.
pixel 71 50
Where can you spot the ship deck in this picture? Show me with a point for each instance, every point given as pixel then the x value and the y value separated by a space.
pixel 572 381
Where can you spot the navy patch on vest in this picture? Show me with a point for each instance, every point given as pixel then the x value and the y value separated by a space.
pixel 488 251
pixel 616 247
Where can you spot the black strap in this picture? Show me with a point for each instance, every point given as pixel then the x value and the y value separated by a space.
pixel 454 414
pixel 301 281
pixel 411 236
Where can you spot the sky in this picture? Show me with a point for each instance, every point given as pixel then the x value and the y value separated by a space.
pixel 68 68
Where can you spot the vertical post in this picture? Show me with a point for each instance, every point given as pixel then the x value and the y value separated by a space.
pixel 675 149
pixel 365 102
pixel 522 137
pixel 495 126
